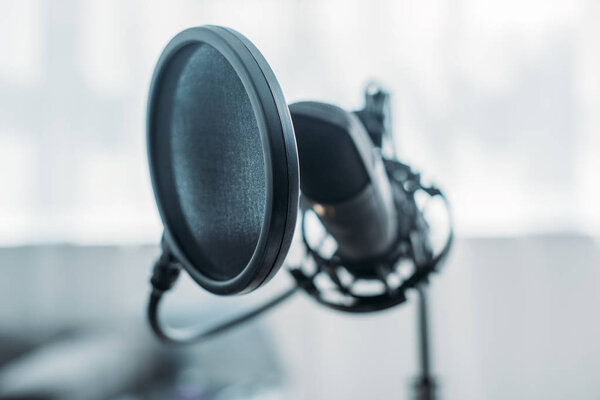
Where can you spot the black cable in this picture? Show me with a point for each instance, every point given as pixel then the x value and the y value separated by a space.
pixel 165 274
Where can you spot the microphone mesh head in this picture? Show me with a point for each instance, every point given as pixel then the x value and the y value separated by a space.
pixel 331 167
pixel 213 161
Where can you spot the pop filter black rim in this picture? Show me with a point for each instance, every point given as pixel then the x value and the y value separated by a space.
pixel 280 157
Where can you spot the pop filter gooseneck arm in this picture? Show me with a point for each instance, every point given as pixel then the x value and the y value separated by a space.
pixel 165 273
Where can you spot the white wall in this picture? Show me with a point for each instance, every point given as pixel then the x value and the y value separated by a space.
pixel 496 101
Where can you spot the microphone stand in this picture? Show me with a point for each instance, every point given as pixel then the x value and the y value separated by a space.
pixel 425 384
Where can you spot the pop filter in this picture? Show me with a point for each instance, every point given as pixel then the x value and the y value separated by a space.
pixel 223 159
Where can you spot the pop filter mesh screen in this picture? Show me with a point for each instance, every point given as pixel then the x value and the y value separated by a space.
pixel 210 162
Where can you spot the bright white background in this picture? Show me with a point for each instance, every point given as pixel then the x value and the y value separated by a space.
pixel 496 101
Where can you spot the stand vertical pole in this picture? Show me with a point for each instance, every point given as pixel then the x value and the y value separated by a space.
pixel 425 384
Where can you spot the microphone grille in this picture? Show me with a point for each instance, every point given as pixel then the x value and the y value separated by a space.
pixel 331 168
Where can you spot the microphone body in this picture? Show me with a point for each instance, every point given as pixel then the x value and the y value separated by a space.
pixel 343 179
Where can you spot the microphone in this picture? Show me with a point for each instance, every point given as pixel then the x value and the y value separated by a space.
pixel 366 202
pixel 231 164
pixel 343 180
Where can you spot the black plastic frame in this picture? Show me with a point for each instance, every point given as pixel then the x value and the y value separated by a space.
pixel 279 147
